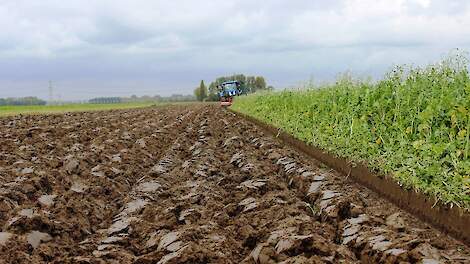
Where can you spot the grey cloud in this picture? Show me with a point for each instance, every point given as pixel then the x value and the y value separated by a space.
pixel 105 46
pixel 112 31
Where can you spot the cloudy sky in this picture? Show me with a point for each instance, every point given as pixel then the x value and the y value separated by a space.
pixel 124 47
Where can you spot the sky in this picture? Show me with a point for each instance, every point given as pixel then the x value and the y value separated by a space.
pixel 148 47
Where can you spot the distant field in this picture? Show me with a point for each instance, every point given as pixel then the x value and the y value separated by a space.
pixel 41 109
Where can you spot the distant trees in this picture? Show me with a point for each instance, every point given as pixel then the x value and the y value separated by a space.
pixel 142 99
pixel 30 100
pixel 201 91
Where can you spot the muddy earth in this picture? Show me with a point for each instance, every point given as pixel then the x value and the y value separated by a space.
pixel 188 184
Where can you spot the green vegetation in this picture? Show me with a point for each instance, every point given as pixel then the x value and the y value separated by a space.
pixel 39 109
pixel 414 124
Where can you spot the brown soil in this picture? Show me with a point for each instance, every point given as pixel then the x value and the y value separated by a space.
pixel 189 184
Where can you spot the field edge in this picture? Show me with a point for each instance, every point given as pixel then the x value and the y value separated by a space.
pixel 449 219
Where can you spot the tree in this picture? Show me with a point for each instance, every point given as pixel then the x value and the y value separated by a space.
pixel 197 93
pixel 212 92
pixel 201 91
pixel 260 83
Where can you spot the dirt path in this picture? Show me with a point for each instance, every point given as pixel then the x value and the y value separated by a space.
pixel 188 184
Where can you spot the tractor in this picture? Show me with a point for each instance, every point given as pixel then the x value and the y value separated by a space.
pixel 227 90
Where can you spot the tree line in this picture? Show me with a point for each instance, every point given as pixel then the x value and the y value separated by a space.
pixel 142 99
pixel 249 84
pixel 30 100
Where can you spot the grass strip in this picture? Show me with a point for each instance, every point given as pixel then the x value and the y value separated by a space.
pixel 48 109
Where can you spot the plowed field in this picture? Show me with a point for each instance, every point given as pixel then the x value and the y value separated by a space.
pixel 188 184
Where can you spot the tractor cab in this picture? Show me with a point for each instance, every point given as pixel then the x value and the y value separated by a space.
pixel 227 90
